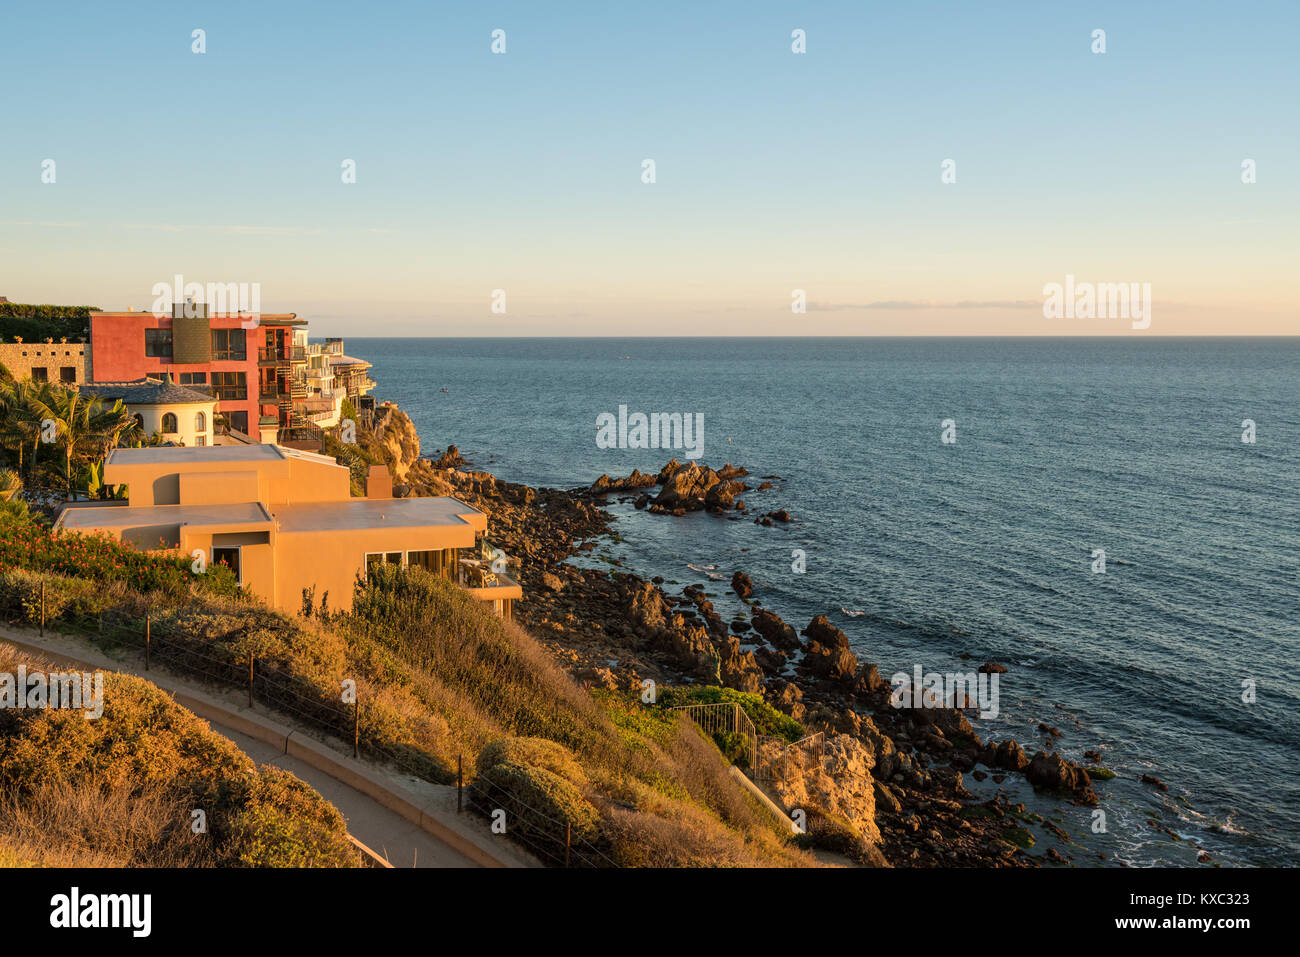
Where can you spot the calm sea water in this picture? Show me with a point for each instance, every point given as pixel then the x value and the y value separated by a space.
pixel 923 551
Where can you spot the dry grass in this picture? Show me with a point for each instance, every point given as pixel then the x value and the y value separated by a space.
pixel 120 790
pixel 84 825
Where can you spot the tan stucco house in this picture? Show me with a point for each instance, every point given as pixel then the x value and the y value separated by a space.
pixel 285 521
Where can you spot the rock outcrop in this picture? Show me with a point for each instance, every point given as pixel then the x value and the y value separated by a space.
pixel 1051 772
pixel 833 788
pixel 394 437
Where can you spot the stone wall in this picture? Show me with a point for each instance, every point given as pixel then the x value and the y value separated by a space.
pixel 52 360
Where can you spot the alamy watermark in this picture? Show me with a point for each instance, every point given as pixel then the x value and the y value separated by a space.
pixel 63 690
pixel 222 299
pixel 1105 300
pixel 938 689
pixel 658 430
pixel 127 911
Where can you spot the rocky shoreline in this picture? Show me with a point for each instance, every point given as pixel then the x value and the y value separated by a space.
pixel 613 628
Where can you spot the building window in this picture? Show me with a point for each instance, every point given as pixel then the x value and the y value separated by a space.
pixel 158 343
pixel 229 345
pixel 382 558
pixel 40 374
pixel 139 421
pixel 230 558
pixel 193 378
pixel 230 385
pixel 200 440
pixel 67 374
pixel 169 423
pixel 200 422
pixel 441 562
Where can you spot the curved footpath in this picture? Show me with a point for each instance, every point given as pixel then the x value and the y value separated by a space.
pixel 391 816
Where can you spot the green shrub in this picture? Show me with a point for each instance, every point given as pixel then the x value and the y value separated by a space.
pixel 535 753
pixel 538 804
pixel 768 722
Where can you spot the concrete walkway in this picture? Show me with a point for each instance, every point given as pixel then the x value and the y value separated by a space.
pixel 408 821
pixel 391 836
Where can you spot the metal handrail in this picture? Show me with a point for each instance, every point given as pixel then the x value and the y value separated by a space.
pixel 725 716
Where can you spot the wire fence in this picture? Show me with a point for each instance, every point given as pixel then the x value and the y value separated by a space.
pixel 269 682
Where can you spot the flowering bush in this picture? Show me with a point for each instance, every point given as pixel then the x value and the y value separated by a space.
pixel 28 545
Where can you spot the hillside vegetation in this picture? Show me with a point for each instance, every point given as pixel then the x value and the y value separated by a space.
pixel 440 678
pixel 121 790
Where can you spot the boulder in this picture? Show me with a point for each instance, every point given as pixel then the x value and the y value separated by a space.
pixel 838 665
pixel 722 495
pixel 774 630
pixel 739 669
pixel 1051 772
pixel 741 585
pixel 788 699
pixel 823 632
pixel 1007 755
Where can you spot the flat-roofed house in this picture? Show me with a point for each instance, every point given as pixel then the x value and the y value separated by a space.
pixel 285 520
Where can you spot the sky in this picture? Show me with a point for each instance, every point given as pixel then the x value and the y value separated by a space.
pixel 774 171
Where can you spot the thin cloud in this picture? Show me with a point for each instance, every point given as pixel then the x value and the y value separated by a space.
pixel 240 229
pixel 927 304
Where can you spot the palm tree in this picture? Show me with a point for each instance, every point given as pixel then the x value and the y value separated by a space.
pixel 25 406
pixel 84 421
pixel 11 484
pixel 11 505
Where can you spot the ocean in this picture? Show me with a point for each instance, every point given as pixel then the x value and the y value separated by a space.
pixel 923 551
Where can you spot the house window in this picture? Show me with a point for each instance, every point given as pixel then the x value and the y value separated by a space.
pixel 200 422
pixel 230 385
pixel 193 378
pixel 229 345
pixel 441 562
pixel 67 374
pixel 200 440
pixel 158 343
pixel 169 423
pixel 230 558
pixel 40 374
pixel 382 558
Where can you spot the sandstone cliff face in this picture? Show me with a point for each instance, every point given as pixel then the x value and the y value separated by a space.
pixel 394 437
pixel 840 783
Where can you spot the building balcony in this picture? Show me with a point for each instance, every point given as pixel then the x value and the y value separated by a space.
pixel 478 578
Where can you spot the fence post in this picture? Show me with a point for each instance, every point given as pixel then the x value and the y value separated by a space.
pixel 568 841
pixel 146 641
pixel 356 727
pixel 42 609
pixel 250 679
pixel 460 781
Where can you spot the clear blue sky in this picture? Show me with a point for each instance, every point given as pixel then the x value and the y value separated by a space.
pixel 775 171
